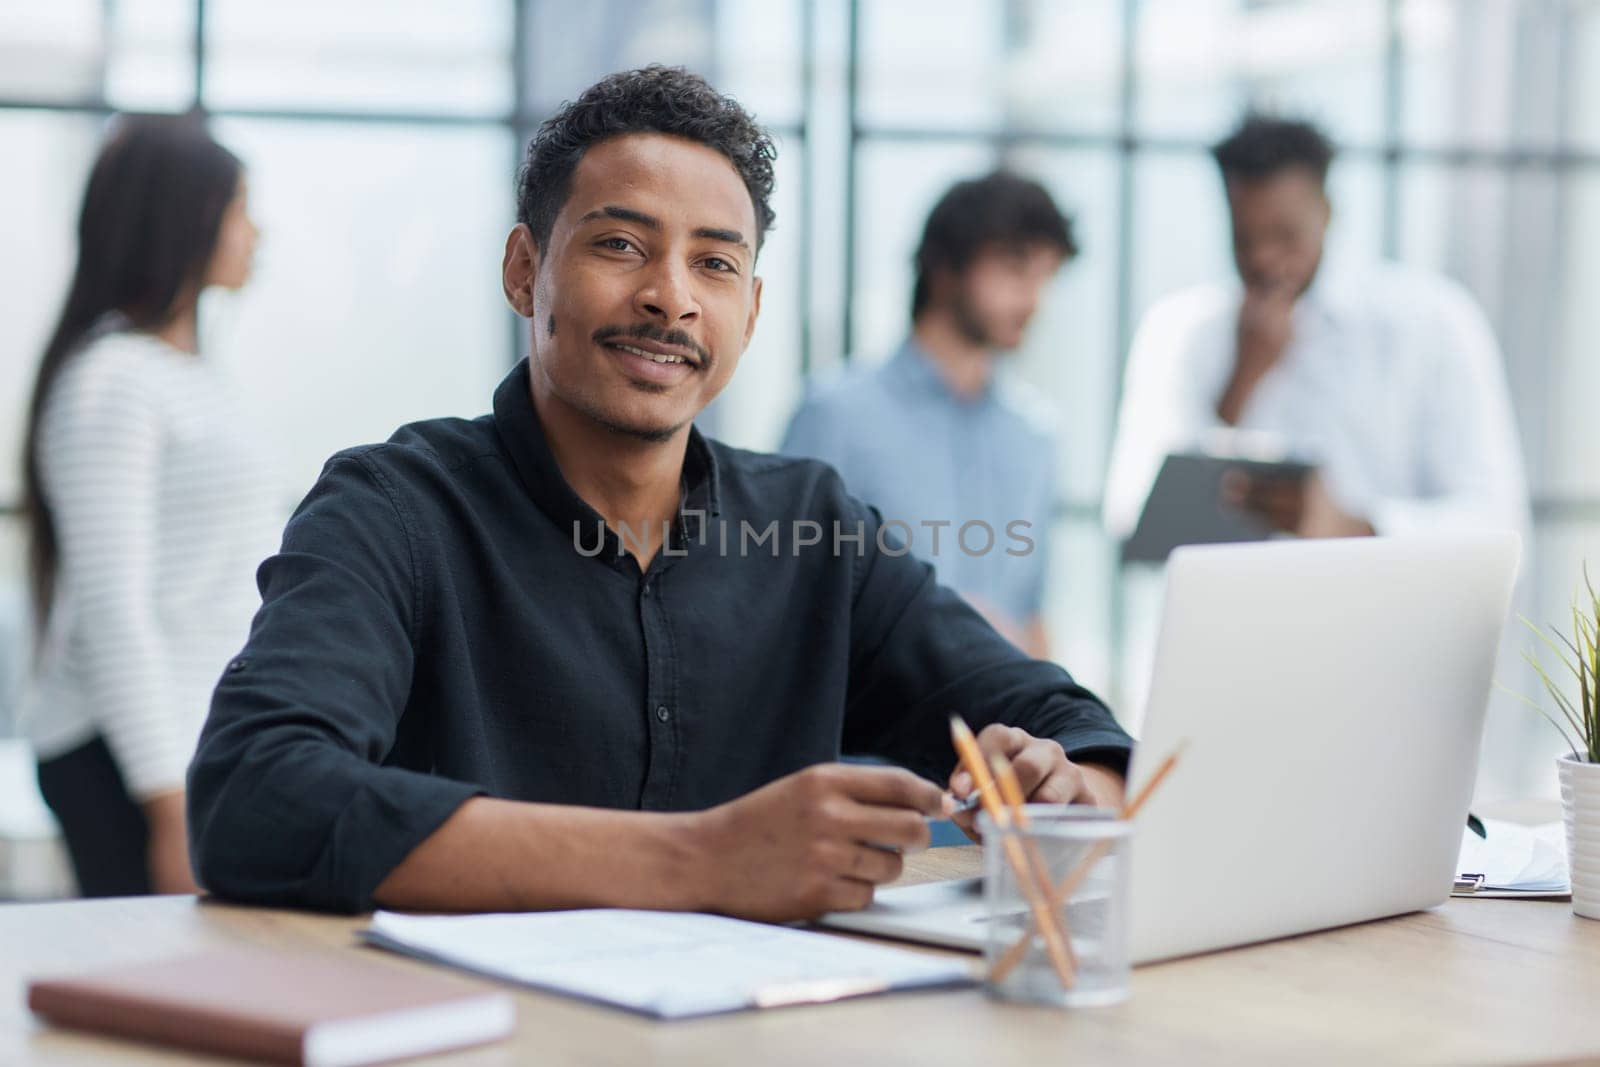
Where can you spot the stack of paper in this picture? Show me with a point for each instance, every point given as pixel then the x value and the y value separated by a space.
pixel 1516 859
pixel 666 964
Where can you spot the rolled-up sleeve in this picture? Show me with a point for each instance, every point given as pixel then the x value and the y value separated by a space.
pixel 289 800
pixel 919 652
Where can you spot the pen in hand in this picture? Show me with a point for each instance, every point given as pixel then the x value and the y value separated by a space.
pixel 974 798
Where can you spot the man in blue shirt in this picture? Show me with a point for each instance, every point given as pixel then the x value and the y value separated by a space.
pixel 957 454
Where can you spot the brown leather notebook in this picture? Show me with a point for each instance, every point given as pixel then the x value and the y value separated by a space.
pixel 322 1010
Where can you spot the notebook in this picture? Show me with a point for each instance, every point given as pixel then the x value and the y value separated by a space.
pixel 1512 860
pixel 321 1010
pixel 668 965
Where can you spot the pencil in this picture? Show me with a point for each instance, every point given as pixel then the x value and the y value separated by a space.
pixel 1005 777
pixel 971 757
pixel 1056 896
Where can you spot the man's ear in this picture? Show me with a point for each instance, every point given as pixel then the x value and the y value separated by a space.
pixel 755 311
pixel 519 269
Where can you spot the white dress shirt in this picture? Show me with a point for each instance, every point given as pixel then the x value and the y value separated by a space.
pixel 1392 384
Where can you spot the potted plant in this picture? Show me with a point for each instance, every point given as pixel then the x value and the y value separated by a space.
pixel 1579 724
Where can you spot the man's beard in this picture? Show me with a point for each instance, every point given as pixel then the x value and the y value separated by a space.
pixel 970 323
pixel 652 434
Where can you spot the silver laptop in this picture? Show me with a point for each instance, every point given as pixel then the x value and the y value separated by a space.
pixel 1332 696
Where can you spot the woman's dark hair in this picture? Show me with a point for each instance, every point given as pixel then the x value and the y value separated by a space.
pixel 151 215
pixel 656 99
pixel 1263 146
pixel 1001 208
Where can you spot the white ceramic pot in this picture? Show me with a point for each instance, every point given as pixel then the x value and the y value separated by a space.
pixel 1580 808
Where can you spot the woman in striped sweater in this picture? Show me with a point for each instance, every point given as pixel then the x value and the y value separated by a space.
pixel 147 501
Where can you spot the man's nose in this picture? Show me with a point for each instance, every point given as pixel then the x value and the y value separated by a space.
pixel 668 296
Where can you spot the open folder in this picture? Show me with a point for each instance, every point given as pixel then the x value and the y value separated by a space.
pixel 1512 860
pixel 669 965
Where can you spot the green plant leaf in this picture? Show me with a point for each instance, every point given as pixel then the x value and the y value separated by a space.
pixel 1534 704
pixel 1545 637
pixel 1565 705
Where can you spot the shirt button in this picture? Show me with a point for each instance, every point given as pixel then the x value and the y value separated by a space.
pixel 646 590
pixel 239 664
pixel 662 714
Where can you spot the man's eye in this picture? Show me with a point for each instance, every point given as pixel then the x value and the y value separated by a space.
pixel 717 263
pixel 616 244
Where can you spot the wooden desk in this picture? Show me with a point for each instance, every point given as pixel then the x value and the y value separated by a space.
pixel 1474 981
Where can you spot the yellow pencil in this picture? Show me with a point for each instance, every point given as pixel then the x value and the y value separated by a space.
pixel 1062 892
pixel 1005 777
pixel 971 757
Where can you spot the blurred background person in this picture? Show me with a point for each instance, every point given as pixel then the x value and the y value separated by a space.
pixel 942 435
pixel 1387 378
pixel 148 503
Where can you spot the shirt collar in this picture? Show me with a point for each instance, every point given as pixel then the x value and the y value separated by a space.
pixel 916 368
pixel 522 436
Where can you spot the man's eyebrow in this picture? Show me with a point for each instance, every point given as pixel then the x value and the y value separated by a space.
pixel 626 214
pixel 732 237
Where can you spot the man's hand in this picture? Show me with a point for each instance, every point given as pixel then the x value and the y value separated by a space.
pixel 1266 324
pixel 816 841
pixel 1043 771
pixel 1303 507
pixel 168 851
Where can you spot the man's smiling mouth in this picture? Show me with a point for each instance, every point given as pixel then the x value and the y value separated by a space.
pixel 653 357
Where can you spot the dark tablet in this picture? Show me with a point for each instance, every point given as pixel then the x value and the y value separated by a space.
pixel 1185 506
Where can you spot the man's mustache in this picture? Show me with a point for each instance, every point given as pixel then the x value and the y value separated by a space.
pixel 651 332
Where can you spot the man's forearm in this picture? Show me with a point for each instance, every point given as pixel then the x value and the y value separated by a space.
pixel 502 855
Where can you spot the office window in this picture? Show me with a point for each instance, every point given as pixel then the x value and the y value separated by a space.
pixel 377 293
pixel 1571 441
pixel 931 63
pixel 1181 235
pixel 150 65
pixel 53 51
pixel 571 46
pixel 360 55
pixel 1471 76
pixel 1199 62
pixel 1583 74
pixel 1070 352
pixel 1031 64
pixel 48 162
pixel 759 61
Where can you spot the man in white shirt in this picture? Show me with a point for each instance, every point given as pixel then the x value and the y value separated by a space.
pixel 1388 379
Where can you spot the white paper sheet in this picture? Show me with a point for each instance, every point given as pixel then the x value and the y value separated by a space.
pixel 1529 859
pixel 667 964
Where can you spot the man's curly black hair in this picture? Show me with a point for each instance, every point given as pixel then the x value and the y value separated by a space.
pixel 1265 145
pixel 655 99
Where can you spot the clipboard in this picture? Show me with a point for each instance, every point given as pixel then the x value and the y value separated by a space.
pixel 1185 505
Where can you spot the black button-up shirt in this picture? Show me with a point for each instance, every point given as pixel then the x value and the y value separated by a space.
pixel 447 617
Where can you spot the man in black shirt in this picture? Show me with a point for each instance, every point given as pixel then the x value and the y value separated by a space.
pixel 573 653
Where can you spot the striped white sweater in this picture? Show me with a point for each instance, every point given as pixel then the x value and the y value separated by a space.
pixel 164 504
